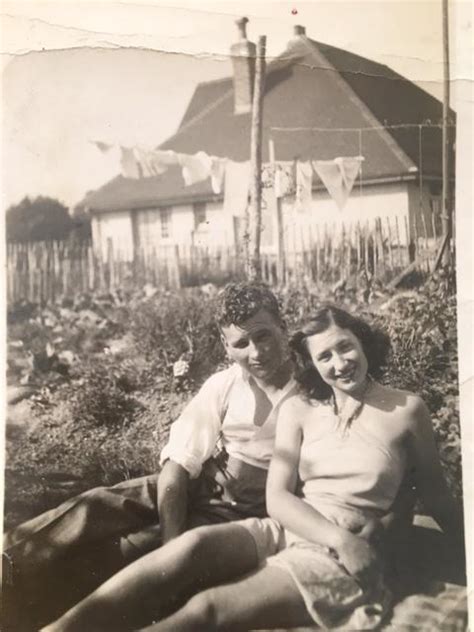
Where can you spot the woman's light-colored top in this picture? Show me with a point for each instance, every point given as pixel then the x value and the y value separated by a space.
pixel 351 476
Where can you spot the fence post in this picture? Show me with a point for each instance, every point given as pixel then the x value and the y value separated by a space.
pixel 176 271
pixel 380 248
pixel 110 264
pixel 390 253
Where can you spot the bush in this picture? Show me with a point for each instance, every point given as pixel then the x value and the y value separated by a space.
pixel 102 396
pixel 172 326
pixel 423 330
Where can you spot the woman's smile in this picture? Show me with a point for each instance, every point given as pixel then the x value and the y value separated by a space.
pixel 338 356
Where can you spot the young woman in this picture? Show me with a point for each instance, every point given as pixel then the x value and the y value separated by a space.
pixel 343 447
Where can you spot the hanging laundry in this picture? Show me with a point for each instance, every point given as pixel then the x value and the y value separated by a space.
pixel 166 157
pixel 338 176
pixel 128 163
pixel 350 167
pixel 150 162
pixel 196 168
pixel 284 183
pixel 103 147
pixel 217 174
pixel 237 185
pixel 304 184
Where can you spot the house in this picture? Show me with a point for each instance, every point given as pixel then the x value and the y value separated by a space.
pixel 320 102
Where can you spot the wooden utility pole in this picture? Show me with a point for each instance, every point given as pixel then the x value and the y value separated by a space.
pixel 446 193
pixel 279 222
pixel 255 223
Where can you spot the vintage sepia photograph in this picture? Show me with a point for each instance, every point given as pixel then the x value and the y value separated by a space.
pixel 237 259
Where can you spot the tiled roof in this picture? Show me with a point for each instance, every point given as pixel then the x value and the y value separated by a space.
pixel 311 85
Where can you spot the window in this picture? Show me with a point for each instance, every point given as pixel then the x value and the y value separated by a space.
pixel 165 219
pixel 200 215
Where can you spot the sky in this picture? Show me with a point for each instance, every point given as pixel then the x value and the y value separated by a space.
pixel 73 72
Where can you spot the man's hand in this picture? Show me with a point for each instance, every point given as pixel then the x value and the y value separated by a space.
pixel 358 558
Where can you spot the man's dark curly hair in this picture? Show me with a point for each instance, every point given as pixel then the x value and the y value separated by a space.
pixel 375 344
pixel 238 302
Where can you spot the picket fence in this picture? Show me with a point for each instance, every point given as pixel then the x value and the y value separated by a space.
pixel 41 272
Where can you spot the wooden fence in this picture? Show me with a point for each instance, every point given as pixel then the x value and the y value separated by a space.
pixel 43 271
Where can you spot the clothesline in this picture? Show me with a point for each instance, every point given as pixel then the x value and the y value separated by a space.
pixel 286 177
pixel 357 129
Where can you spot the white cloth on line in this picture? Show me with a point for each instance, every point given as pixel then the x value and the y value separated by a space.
pixel 150 162
pixel 284 183
pixel 237 185
pixel 101 146
pixel 338 176
pixel 227 405
pixel 217 174
pixel 196 167
pixel 304 185
pixel 128 163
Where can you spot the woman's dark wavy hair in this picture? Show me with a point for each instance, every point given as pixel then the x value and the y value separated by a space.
pixel 375 344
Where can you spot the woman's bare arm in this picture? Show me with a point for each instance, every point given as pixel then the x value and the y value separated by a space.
pixel 429 477
pixel 298 516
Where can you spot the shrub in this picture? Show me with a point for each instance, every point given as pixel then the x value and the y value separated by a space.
pixel 102 394
pixel 423 331
pixel 177 325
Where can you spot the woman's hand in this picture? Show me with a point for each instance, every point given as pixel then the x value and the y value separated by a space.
pixel 373 531
pixel 358 558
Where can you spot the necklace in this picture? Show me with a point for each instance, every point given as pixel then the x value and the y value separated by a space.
pixel 346 417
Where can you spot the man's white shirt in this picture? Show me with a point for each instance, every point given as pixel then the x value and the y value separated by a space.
pixel 227 407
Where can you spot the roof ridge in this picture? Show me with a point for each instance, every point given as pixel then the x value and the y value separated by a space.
pixel 312 46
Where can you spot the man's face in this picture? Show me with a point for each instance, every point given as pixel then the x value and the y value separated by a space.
pixel 258 345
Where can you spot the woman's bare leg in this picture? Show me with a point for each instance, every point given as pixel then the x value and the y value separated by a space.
pixel 140 593
pixel 268 598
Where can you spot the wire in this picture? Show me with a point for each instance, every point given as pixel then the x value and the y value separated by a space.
pixel 355 129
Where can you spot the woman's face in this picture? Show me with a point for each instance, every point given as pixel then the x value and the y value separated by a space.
pixel 338 356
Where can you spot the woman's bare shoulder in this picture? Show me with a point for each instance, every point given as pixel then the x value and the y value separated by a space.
pixel 407 404
pixel 298 408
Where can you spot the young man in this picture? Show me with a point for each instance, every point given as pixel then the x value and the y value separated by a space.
pixel 235 411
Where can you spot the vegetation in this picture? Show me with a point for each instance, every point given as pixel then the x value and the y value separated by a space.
pixel 43 219
pixel 108 374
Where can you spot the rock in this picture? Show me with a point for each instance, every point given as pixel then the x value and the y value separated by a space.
pixel 20 419
pixel 67 357
pixel 149 290
pixel 88 314
pixel 16 394
pixel 120 345
pixel 15 344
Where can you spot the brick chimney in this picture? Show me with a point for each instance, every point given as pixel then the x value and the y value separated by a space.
pixel 298 30
pixel 243 55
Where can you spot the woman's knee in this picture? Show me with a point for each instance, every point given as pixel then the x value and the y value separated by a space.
pixel 196 544
pixel 200 613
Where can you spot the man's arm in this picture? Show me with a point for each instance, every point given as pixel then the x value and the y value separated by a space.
pixel 191 442
pixel 172 500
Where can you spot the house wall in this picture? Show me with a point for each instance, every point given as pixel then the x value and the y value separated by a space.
pixel 218 230
pixel 395 203
pixel 390 202
pixel 114 228
pixel 144 228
